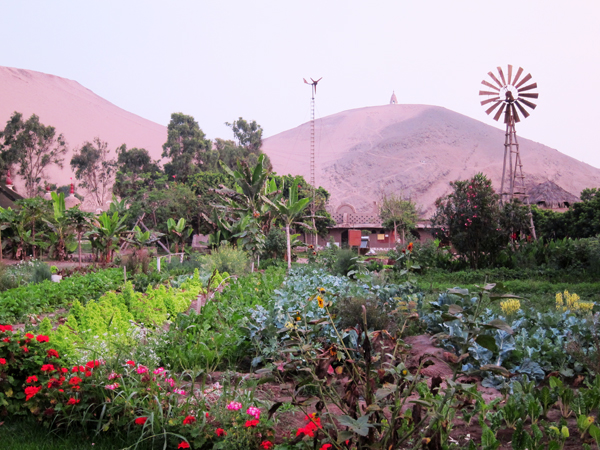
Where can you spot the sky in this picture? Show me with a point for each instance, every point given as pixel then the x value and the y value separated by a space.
pixel 220 60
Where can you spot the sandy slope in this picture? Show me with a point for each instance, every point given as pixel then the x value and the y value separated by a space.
pixel 414 149
pixel 76 112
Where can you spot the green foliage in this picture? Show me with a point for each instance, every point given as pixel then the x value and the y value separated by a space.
pixel 398 213
pixel 34 147
pixel 226 259
pixel 94 169
pixel 186 147
pixel 275 244
pixel 136 173
pixel 36 298
pixel 469 218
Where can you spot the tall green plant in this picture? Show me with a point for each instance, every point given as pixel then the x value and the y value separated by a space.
pixel 180 232
pixel 106 232
pixel 289 212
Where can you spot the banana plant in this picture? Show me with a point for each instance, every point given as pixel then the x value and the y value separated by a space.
pixel 60 225
pixel 289 212
pixel 180 232
pixel 106 233
pixel 141 239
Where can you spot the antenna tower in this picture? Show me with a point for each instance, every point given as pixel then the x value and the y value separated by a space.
pixel 511 95
pixel 313 92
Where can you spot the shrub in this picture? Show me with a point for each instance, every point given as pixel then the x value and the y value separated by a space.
pixel 227 259
pixel 345 262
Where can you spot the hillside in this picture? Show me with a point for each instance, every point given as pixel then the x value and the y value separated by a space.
pixel 413 149
pixel 76 112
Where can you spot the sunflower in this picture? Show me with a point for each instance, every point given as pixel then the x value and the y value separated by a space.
pixel 320 301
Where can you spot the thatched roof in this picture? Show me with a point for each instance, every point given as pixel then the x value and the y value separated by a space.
pixel 550 195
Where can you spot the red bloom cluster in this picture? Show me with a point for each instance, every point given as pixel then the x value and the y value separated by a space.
pixel 326 446
pixel 4 328
pixel 183 445
pixel 31 379
pixel 73 401
pixel 220 432
pixel 251 423
pixel 267 445
pixel 41 338
pixel 2 361
pixel 313 424
pixel 189 420
pixel 29 336
pixel 47 368
pixel 52 353
pixel 30 391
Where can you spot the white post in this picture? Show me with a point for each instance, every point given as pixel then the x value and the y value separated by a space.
pixel 158 263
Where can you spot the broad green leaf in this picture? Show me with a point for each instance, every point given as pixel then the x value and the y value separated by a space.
pixel 487 341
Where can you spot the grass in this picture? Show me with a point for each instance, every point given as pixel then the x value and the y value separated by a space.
pixel 23 434
pixel 538 293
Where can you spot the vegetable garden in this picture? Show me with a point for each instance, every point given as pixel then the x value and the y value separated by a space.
pixel 327 355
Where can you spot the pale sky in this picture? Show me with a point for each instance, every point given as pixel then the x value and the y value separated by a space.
pixel 218 60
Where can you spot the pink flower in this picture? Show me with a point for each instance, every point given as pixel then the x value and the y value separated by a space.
pixel 179 391
pixel 158 371
pixel 170 382
pixel 234 406
pixel 142 369
pixel 113 375
pixel 254 412
pixel 112 387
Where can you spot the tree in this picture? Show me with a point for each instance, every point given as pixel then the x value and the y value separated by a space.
pixel 34 147
pixel 469 217
pixel 81 222
pixel 398 213
pixel 106 233
pixel 248 134
pixel 186 145
pixel 289 211
pixel 135 171
pixel 61 227
pixel 94 169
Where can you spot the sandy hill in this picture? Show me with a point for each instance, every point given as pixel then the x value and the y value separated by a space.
pixel 413 149
pixel 76 112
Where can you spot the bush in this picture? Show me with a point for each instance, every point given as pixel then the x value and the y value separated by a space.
pixel 345 262
pixel 41 272
pixel 227 259
pixel 275 244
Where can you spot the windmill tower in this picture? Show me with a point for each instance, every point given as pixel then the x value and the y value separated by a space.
pixel 509 96
pixel 313 92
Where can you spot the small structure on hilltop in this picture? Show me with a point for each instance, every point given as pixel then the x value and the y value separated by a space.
pixel 393 100
pixel 47 194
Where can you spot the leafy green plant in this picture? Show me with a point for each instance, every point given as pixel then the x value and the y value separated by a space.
pixel 226 259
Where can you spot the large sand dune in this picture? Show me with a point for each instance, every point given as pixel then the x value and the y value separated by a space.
pixel 76 112
pixel 412 149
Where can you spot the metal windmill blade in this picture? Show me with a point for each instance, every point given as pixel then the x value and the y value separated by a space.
pixel 497 89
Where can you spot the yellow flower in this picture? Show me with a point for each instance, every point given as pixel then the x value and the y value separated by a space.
pixel 321 290
pixel 298 318
pixel 510 306
pixel 573 303
pixel 320 301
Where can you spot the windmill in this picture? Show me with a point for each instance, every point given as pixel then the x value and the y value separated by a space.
pixel 312 145
pixel 510 96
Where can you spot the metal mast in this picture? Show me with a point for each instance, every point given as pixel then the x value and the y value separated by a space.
pixel 509 95
pixel 313 92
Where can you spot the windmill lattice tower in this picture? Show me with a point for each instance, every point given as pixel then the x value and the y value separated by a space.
pixel 510 96
pixel 313 92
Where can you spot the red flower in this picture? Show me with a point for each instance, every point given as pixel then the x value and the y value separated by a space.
pixel 31 379
pixel 42 338
pixel 141 420
pixel 47 368
pixel 88 373
pixel 410 247
pixel 251 423
pixel 188 420
pixel 75 369
pixel 220 432
pixel 89 364
pixel 29 336
pixel 30 391
pixel 2 361
pixel 267 445
pixel 52 353
pixel 6 328
pixel 6 340
pixel 326 446
pixel 75 380
pixel 73 401
pixel 64 370
pixel 130 362
pixel 309 430
pixel 183 444
pixel 25 349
